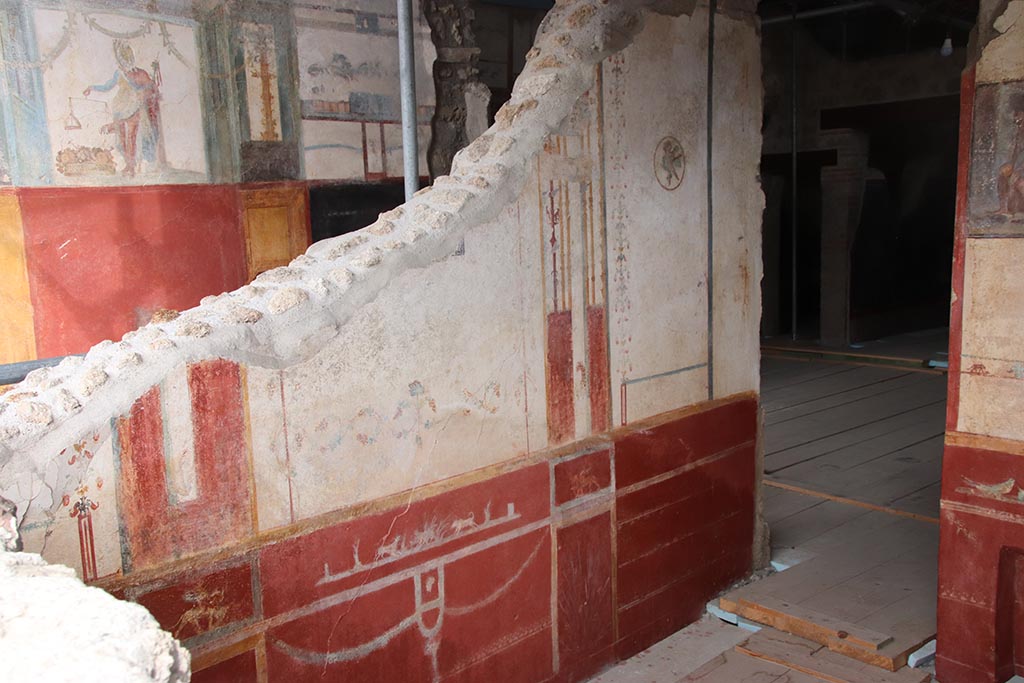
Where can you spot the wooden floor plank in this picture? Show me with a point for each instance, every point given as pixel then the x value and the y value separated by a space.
pixel 776 413
pixel 811 522
pixel 924 502
pixel 808 657
pixel 736 667
pixel 832 464
pixel 780 458
pixel 822 425
pixel 866 378
pixel 808 373
pixel 879 480
pixel 678 655
pixel 785 504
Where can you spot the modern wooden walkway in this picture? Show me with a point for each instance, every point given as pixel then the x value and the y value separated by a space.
pixel 852 469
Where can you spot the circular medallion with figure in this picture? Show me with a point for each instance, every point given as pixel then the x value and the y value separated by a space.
pixel 669 163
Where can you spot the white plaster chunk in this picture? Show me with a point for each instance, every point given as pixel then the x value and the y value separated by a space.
pixel 10 431
pixel 194 328
pixel 321 288
pixel 343 277
pixel 451 200
pixel 243 315
pixel 41 378
pixel 161 344
pixel 70 363
pixel 347 246
pixel 368 258
pixel 538 85
pixel 35 412
pixel 92 380
pixel 55 628
pixel 286 299
pixel 303 261
pixel 282 274
pixel 130 359
pixel 67 401
pixel 429 217
pixel 382 227
pixel 392 245
pixel 18 396
pixel 414 234
pixel 246 293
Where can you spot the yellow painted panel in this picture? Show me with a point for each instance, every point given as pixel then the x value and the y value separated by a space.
pixel 276 226
pixel 17 333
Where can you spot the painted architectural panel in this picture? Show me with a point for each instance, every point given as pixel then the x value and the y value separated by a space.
pixel 660 224
pixel 262 90
pixel 348 72
pixel 122 98
pixel 997 160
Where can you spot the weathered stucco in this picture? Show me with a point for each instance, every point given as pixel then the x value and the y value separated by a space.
pixel 553 288
pixel 981 552
pixel 54 628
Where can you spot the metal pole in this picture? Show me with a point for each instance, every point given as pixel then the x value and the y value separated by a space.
pixel 793 212
pixel 407 79
pixel 824 12
pixel 712 11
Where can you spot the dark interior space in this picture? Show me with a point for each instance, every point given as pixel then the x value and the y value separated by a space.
pixel 808 240
pixel 868 95
pixel 899 273
pixel 338 209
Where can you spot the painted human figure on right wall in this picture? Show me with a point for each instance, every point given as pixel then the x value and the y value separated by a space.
pixel 1010 182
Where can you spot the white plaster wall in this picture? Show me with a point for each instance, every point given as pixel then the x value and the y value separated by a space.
pixel 992 351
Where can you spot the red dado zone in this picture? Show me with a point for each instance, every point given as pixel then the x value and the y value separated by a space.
pixel 548 568
pixel 981 572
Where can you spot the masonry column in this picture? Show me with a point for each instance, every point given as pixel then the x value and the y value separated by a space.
pixel 842 195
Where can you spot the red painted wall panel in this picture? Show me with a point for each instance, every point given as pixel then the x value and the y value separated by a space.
pixel 586 633
pixel 153 529
pixel 101 260
pixel 582 476
pixel 561 406
pixel 520 576
pixel 981 546
pixel 657 451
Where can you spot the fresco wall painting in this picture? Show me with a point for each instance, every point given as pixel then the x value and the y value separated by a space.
pixel 122 98
pixel 348 87
pixel 449 454
pixel 981 625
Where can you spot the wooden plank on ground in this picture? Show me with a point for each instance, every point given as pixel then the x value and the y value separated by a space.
pixel 821 425
pixel 678 655
pixel 804 622
pixel 780 504
pixel 736 667
pixel 871 379
pixel 875 574
pixel 831 465
pixel 812 658
pixel 811 522
pixel 776 412
pixel 805 373
pixel 780 458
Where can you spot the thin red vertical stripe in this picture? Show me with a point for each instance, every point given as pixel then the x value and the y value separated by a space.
pixel 561 402
pixel 600 382
pixel 967 88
